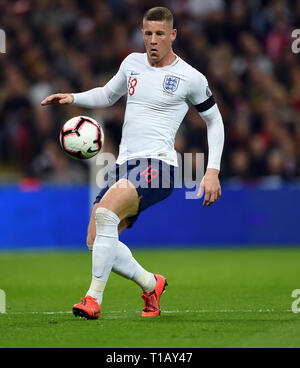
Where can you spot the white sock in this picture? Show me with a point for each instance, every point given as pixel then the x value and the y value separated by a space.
pixel 104 251
pixel 126 266
pixel 96 290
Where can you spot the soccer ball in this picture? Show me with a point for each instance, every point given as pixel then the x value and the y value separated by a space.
pixel 81 137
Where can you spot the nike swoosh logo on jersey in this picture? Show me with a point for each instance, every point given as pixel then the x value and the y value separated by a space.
pixel 132 73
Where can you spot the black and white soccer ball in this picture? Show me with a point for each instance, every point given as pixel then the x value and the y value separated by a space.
pixel 81 137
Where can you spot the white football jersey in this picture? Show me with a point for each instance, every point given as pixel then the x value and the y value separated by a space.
pixel 157 101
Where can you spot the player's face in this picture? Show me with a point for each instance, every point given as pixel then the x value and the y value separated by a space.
pixel 158 38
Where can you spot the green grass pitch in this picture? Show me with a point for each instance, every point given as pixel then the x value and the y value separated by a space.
pixel 215 298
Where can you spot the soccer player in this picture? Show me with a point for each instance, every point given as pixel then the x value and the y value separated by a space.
pixel 160 88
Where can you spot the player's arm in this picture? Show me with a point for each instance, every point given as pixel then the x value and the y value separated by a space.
pixel 99 97
pixel 204 102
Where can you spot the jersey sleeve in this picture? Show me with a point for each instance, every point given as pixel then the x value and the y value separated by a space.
pixel 201 97
pixel 199 94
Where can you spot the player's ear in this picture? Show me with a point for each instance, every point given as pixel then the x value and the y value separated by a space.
pixel 173 34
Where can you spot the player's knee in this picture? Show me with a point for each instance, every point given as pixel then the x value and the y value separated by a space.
pixel 109 204
pixel 122 199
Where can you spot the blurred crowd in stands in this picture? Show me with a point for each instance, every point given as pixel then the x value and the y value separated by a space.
pixel 242 46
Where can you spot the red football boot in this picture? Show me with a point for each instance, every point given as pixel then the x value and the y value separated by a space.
pixel 88 308
pixel 151 299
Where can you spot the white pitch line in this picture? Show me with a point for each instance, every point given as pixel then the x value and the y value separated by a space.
pixel 168 311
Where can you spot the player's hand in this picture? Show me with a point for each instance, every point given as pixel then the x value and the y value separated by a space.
pixel 58 99
pixel 210 185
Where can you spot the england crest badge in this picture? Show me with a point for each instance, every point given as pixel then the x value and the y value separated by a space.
pixel 171 83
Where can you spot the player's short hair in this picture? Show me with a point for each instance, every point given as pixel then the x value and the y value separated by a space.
pixel 159 13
